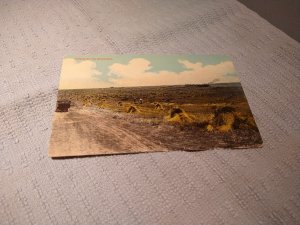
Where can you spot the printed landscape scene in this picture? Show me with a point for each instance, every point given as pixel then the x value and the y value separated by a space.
pixel 131 104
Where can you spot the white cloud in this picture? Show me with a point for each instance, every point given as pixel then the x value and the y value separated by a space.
pixel 84 74
pixel 136 73
pixel 79 74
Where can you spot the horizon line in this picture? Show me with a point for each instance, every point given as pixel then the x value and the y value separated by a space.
pixel 151 86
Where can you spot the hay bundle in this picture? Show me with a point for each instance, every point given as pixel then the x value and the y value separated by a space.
pixel 158 106
pixel 175 111
pixel 227 124
pixel 178 115
pixel 244 122
pixel 132 109
pixel 209 128
pixel 224 118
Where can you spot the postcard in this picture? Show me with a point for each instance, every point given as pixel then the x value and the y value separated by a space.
pixel 121 104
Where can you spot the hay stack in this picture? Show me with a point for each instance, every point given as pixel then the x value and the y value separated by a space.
pixel 178 115
pixel 209 128
pixel 244 122
pixel 132 109
pixel 158 106
pixel 224 118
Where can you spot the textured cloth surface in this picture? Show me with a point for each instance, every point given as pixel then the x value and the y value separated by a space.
pixel 254 186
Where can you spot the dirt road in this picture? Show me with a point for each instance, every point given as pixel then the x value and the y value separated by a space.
pixel 88 131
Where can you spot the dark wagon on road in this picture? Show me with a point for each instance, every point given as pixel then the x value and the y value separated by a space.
pixel 63 106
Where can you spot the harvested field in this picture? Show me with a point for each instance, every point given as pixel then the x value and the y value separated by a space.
pixel 185 117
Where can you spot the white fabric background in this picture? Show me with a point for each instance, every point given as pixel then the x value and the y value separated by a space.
pixel 255 186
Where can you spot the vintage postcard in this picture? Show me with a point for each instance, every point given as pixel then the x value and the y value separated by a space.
pixel 120 104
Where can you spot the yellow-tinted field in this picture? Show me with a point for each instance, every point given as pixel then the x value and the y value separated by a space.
pixel 186 117
pixel 213 108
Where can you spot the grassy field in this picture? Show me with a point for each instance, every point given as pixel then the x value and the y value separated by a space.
pixel 217 113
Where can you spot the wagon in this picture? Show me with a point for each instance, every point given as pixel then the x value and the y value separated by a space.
pixel 63 106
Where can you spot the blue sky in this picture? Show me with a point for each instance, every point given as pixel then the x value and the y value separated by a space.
pixel 145 70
